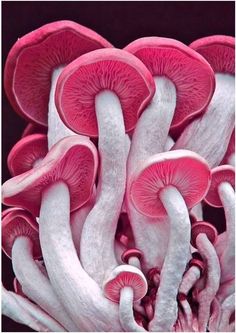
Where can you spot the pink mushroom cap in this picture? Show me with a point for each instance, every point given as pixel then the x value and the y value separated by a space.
pixel 72 160
pixel 33 129
pixel 220 174
pixel 183 169
pixel 16 224
pixel 203 227
pixel 126 255
pixel 108 69
pixel 30 62
pixel 198 263
pixel 191 74
pixel 218 50
pixel 125 276
pixel 26 152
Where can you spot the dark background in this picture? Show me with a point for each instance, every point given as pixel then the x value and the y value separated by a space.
pixel 120 23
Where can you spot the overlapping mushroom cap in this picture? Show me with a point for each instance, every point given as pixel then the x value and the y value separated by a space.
pixel 107 69
pixel 73 160
pixel 218 50
pixel 202 227
pixel 183 169
pixel 191 74
pixel 29 65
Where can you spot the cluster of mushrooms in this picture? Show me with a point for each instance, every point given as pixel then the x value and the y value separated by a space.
pixel 123 149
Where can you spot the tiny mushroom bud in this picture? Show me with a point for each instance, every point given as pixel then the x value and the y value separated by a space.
pixel 221 193
pixel 27 153
pixel 203 236
pixel 102 94
pixel 168 183
pixel 132 257
pixel 125 285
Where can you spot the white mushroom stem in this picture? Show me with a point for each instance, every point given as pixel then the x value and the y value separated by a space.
pixel 206 296
pixel 24 312
pixel 227 307
pixel 209 135
pixel 134 261
pixel 126 315
pixel 98 235
pixel 56 128
pixel 175 260
pixel 198 212
pixel 169 143
pixel 220 243
pixel 81 296
pixel 231 159
pixel 78 218
pixel 187 312
pixel 227 258
pixel 225 290
pixel 150 138
pixel 189 279
pixel 214 320
pixel 35 284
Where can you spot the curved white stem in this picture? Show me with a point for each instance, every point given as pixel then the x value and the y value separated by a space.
pixel 175 260
pixel 98 235
pixel 206 296
pixel 231 159
pixel 227 258
pixel 209 135
pixel 80 294
pixel 197 211
pixel 150 138
pixel 24 312
pixel 214 320
pixel 225 290
pixel 187 312
pixel 35 284
pixel 228 307
pixel 189 279
pixel 126 315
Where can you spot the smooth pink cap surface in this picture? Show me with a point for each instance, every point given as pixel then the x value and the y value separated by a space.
pixel 72 160
pixel 125 276
pixel 218 50
pixel 33 129
pixel 191 74
pixel 9 210
pixel 183 169
pixel 203 227
pixel 26 152
pixel 220 174
pixel 31 60
pixel 108 69
pixel 20 223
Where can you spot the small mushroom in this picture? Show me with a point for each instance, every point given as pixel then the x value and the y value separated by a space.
pixel 125 285
pixel 184 86
pixel 21 236
pixel 102 94
pixel 221 193
pixel 201 135
pixel 132 257
pixel 203 236
pixel 168 183
pixel 27 153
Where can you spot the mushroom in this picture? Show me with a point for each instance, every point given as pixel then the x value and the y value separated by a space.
pixel 184 86
pixel 170 183
pixel 227 308
pixel 18 288
pixel 62 183
pixel 33 129
pixel 132 257
pixel 125 285
pixel 200 135
pixel 103 92
pixel 221 193
pixel 23 311
pixel 20 236
pixel 33 65
pixel 214 319
pixel 203 236
pixel 27 153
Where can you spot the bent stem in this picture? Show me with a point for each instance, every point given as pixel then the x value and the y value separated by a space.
pixel 206 296
pixel 150 138
pixel 228 307
pixel 201 135
pixel 35 284
pixel 24 312
pixel 175 260
pixel 81 296
pixel 98 235
pixel 126 315
pixel 189 279
pixel 227 258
